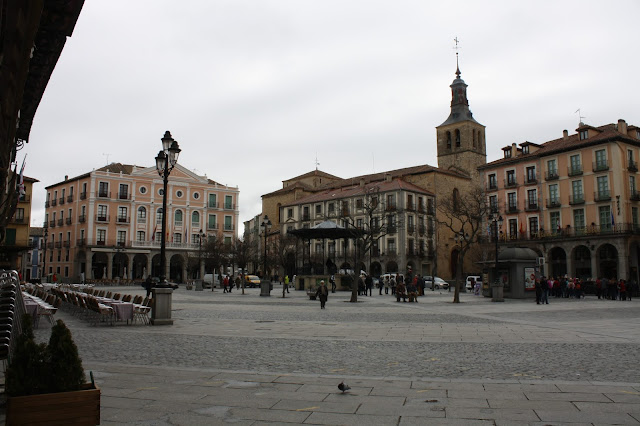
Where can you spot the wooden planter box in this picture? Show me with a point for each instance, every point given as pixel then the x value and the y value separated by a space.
pixel 80 407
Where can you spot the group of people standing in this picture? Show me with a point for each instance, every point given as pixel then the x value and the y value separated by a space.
pixel 228 283
pixel 566 287
pixel 613 289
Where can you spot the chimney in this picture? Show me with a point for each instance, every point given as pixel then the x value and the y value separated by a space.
pixel 66 177
pixel 622 126
pixel 387 177
pixel 361 182
pixel 565 135
pixel 514 150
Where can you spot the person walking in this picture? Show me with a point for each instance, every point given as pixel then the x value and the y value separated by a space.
pixel 539 289
pixel 332 280
pixel 322 293
pixel 392 284
pixel 238 282
pixel 225 285
pixel 368 282
pixel 386 285
pixel 545 291
pixel 286 283
pixel 148 285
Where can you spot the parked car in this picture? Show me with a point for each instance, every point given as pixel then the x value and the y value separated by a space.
pixel 478 279
pixel 252 281
pixel 209 280
pixel 436 282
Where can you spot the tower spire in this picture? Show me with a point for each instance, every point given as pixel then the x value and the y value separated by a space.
pixel 457 64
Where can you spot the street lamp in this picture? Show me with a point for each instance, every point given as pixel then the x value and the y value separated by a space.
pixel 44 266
pixel 266 226
pixel 497 224
pixel 201 236
pixel 165 162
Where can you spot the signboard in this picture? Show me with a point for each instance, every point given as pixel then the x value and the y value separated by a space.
pixel 529 279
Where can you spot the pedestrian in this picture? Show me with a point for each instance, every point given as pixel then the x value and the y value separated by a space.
pixel 538 287
pixel 293 282
pixel 322 293
pixel 623 290
pixel 392 284
pixel 380 285
pixel 238 282
pixel 386 285
pixel 225 285
pixel 368 282
pixel 286 283
pixel 148 285
pixel 545 291
pixel 230 282
pixel 332 280
pixel 361 288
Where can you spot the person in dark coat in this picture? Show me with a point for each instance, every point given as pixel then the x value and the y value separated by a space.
pixel 148 285
pixel 539 289
pixel 369 283
pixel 322 293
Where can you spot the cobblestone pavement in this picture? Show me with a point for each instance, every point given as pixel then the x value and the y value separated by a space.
pixel 249 346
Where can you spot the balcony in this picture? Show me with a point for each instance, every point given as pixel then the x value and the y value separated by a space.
pixel 20 220
pixel 124 219
pixel 100 243
pixel 553 203
pixel 46 204
pixel 603 195
pixel 229 227
pixel 68 221
pixel 600 166
pixel 52 223
pixel 575 170
pixel 213 205
pixel 532 206
pixel 24 198
pixel 70 198
pixel 58 244
pixel 306 217
pixel 82 218
pixel 228 206
pixel 66 244
pixel 421 230
pixel 60 222
pixel 431 210
pixel 633 166
pixel 392 229
pixel 411 229
pixel 102 218
pixel 390 207
pixel 45 224
pixel 212 226
pixel 177 224
pixel 391 251
pixel 551 175
pixel 344 212
pixel 510 182
pixel 635 195
pixel 54 202
pixel 492 186
pixel 103 194
pixel 50 245
pixel 124 196
pixel 61 200
pixel 511 208
pixel 531 180
pixel 83 195
pixel 81 242
pixel 576 199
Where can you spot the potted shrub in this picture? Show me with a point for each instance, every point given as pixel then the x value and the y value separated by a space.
pixel 46 383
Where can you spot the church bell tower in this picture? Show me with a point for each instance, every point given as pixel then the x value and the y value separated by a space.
pixel 461 139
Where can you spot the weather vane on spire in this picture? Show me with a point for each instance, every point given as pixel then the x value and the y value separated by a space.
pixel 317 163
pixel 580 116
pixel 456 47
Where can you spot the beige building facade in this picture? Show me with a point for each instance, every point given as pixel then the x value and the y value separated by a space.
pixel 574 200
pixel 106 224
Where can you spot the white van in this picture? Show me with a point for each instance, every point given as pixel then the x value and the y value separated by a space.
pixel 478 279
pixel 209 281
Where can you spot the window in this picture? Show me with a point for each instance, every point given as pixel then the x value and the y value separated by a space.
pixel 142 214
pixel 532 198
pixel 211 224
pixel 554 220
pixel 101 236
pixel 143 190
pixel 179 194
pixel 196 195
pixel 177 218
pixel 531 174
pixel 123 192
pixel 140 235
pixel 576 191
pixel 448 140
pixel 227 241
pixel 121 238
pixel 103 189
pixel 228 202
pixel 359 203
pixel 159 215
pixel 19 215
pixel 603 187
pixel 318 209
pixel 575 166
pixel 122 214
pixel 305 213
pixel 525 149
pixel 457 138
pixel 391 201
pixel 606 217
pixel 493 203
pixel 552 169
pixel 228 223
pixel 332 207
pixel 195 219
pixel 601 160
pixel 507 153
pixel 632 185
pixel 410 202
pixel 176 238
pixel 513 228
pixel 158 236
pixel 513 201
pixel 102 213
pixel 289 213
pixel 578 221
pixel 213 201
pixel 359 223
pixel 553 195
pixel 634 218
pixel 391 245
pixel 511 177
pixel 584 134
pixel 493 182
pixel 533 226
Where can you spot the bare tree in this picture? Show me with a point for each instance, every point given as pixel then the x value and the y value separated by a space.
pixel 241 256
pixel 214 253
pixel 464 215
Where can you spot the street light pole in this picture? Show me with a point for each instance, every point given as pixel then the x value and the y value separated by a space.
pixel 165 162
pixel 497 223
pixel 44 257
pixel 266 226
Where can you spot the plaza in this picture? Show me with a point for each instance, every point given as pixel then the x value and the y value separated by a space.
pixel 245 359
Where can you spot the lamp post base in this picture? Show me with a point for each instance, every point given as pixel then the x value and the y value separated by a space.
pixel 265 288
pixel 161 309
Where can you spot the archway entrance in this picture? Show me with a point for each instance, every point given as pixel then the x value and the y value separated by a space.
pixel 99 266
pixel 376 269
pixel 582 262
pixel 608 260
pixel 391 267
pixel 557 262
pixel 140 267
pixel 119 266
pixel 175 268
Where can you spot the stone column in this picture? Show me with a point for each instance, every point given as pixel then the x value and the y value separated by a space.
pixel 594 265
pixel 167 266
pixel 109 265
pixel 130 267
pixel 201 268
pixel 88 273
pixel 149 271
pixel 185 275
pixel 161 306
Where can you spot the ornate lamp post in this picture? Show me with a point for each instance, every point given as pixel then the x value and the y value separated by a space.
pixel 165 162
pixel 44 257
pixel 497 224
pixel 266 226
pixel 201 236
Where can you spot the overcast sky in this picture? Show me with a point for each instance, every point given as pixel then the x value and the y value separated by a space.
pixel 254 90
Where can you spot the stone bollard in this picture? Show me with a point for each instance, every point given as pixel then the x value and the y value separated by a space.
pixel 497 292
pixel 265 288
pixel 161 309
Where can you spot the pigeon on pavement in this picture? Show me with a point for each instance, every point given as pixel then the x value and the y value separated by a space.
pixel 343 387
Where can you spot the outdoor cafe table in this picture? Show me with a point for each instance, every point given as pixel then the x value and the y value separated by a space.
pixel 123 310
